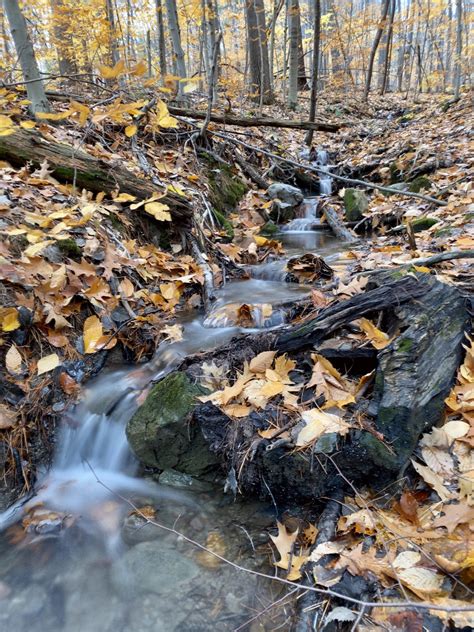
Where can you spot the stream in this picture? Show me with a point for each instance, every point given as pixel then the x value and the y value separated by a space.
pixel 83 562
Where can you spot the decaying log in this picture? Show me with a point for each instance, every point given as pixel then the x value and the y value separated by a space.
pixel 229 119
pixel 337 225
pixel 68 164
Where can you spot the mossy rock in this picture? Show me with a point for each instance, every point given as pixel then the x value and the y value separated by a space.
pixel 161 433
pixel 423 223
pixel 395 173
pixel 269 229
pixel 355 204
pixel 226 189
pixel 418 184
pixel 69 247
pixel 224 222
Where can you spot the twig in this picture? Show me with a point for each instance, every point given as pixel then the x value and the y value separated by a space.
pixel 428 261
pixel 281 580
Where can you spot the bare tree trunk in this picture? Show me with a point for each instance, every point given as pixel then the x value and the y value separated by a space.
pixel 302 80
pixel 113 49
pixel 277 7
pixel 260 83
pixel 388 51
pixel 62 37
pixel 161 38
pixel 375 45
pixel 457 62
pixel 178 52
pixel 447 63
pixel 293 11
pixel 26 55
pixel 315 73
pixel 214 36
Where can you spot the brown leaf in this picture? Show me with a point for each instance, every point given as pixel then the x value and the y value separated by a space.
pixel 408 507
pixel 68 384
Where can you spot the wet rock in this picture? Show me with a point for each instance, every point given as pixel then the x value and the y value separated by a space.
pixel 355 204
pixel 173 478
pixel 156 615
pixel 152 567
pixel 136 529
pixel 161 433
pixel 286 198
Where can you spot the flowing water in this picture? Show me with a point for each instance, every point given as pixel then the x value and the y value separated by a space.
pixel 85 564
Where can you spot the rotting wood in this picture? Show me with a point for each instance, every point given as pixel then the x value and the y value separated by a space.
pixel 429 261
pixel 68 164
pixel 229 119
pixel 337 225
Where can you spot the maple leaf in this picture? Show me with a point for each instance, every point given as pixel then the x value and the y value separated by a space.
pixel 455 514
pixel 330 384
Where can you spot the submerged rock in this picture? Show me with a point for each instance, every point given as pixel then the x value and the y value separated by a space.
pixel 355 203
pixel 161 432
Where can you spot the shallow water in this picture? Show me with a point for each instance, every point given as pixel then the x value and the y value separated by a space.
pixel 80 562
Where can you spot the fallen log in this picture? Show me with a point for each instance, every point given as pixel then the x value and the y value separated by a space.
pixel 229 119
pixel 413 376
pixel 337 225
pixel 72 165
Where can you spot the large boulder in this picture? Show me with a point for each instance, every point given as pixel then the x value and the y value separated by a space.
pixel 355 204
pixel 286 199
pixel 161 432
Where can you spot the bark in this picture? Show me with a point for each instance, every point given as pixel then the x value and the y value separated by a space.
pixel 213 52
pixel 337 225
pixel 457 64
pixel 385 78
pixel 69 164
pixel 62 37
pixel 229 119
pixel 302 80
pixel 161 39
pixel 293 12
pixel 26 55
pixel 375 45
pixel 260 81
pixel 315 72
pixel 178 53
pixel 113 48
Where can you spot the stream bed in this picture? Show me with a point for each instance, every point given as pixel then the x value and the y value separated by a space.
pixel 83 561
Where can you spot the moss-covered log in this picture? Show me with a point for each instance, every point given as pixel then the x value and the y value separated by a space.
pixel 69 164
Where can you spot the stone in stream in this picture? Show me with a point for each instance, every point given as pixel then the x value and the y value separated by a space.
pixel 355 204
pixel 160 433
pixel 286 199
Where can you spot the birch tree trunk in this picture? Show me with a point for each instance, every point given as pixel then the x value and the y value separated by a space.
pixel 26 55
pixel 375 45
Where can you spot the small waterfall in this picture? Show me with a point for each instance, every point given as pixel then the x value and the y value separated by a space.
pixel 325 181
pixel 310 219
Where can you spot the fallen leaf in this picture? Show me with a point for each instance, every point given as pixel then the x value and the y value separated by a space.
pixel 92 333
pixel 378 338
pixel 261 362
pixel 13 361
pixel 48 363
pixel 319 423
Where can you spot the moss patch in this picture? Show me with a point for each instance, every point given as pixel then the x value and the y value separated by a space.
pixel 69 247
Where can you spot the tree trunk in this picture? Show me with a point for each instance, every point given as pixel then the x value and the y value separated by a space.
pixel 62 37
pixel 302 79
pixel 260 83
pixel 69 164
pixel 178 53
pixel 161 39
pixel 113 48
pixel 315 73
pixel 457 63
pixel 213 25
pixel 293 12
pixel 388 51
pixel 26 55
pixel 375 45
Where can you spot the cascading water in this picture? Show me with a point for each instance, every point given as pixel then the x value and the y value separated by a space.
pixel 325 181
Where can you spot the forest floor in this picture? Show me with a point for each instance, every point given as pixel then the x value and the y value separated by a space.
pixel 89 279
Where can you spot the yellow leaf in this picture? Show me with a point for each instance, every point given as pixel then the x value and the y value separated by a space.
pixel 163 118
pixel 7 126
pixel 13 360
pixel 319 423
pixel 48 363
pixel 259 240
pixel 139 69
pixel 131 130
pixel 237 410
pixel 35 249
pixel 27 124
pixel 262 361
pixel 108 72
pixel 9 319
pixel 378 339
pixel 190 87
pixel 159 211
pixel 422 269
pixel 92 333
pixel 54 116
pixel 422 581
pixel 125 197
pixel 169 291
pixel 82 110
pixel 284 543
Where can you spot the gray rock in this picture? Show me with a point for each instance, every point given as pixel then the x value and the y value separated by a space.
pixel 136 529
pixel 152 567
pixel 355 203
pixel 173 478
pixel 286 195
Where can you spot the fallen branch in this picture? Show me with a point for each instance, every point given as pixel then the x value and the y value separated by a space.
pixel 429 261
pixel 337 225
pixel 321 170
pixel 229 119
pixel 68 164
